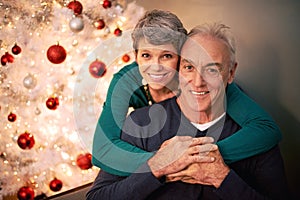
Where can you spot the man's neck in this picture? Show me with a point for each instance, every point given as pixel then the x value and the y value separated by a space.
pixel 205 126
pixel 200 117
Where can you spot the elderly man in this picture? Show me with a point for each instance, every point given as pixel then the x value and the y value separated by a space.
pixel 187 165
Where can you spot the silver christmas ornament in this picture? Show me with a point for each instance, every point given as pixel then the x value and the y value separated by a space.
pixel 119 8
pixel 76 24
pixel 29 81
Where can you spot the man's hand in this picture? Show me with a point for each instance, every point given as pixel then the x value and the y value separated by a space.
pixel 212 173
pixel 179 152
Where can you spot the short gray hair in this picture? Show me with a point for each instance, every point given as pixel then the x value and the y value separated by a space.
pixel 218 31
pixel 159 27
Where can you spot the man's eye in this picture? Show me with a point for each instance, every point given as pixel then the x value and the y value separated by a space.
pixel 188 67
pixel 211 71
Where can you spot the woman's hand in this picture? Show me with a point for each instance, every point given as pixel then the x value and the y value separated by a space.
pixel 206 173
pixel 179 152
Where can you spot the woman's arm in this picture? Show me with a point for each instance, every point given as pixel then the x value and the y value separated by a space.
pixel 109 151
pixel 258 133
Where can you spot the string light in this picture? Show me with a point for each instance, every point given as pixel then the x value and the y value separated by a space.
pixel 36 25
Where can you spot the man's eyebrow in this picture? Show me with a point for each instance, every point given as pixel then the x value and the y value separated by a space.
pixel 213 64
pixel 187 60
pixel 207 65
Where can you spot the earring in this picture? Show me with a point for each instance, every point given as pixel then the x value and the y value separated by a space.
pixel 144 82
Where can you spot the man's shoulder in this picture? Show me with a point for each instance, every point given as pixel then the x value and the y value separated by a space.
pixel 165 105
pixel 158 113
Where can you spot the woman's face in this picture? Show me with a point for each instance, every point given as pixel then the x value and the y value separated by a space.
pixel 157 63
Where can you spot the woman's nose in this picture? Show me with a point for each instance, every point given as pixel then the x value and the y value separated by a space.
pixel 156 64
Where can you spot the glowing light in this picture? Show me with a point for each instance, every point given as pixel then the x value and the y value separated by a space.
pixel 65 156
pixel 123 18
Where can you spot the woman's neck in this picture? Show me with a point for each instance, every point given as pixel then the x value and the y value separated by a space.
pixel 161 94
pixel 164 93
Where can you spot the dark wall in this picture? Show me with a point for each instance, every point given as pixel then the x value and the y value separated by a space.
pixel 268 43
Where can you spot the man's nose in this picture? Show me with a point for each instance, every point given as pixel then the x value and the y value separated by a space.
pixel 198 79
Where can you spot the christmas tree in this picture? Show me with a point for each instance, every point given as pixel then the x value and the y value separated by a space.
pixel 57 59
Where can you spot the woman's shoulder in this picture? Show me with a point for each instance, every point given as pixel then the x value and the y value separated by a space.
pixel 133 67
pixel 129 73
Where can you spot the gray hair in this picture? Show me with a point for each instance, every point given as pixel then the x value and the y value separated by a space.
pixel 159 27
pixel 218 31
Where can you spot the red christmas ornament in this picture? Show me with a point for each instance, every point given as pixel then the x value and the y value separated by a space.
pixel 56 54
pixel 4 60
pixel 16 49
pixel 76 6
pixel 100 24
pixel 84 161
pixel 125 58
pixel 52 103
pixel 97 69
pixel 26 141
pixel 10 58
pixel 26 193
pixel 118 32
pixel 106 4
pixel 12 117
pixel 56 185
pixel 7 58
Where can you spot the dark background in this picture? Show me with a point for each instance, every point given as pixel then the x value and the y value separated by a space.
pixel 268 43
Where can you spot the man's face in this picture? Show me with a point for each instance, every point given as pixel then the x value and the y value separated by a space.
pixel 204 73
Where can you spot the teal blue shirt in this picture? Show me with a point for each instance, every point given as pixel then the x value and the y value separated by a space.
pixel 258 134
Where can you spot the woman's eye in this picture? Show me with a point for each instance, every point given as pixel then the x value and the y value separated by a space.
pixel 168 56
pixel 145 55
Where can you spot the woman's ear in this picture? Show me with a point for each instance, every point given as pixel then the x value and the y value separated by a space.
pixel 232 73
pixel 135 54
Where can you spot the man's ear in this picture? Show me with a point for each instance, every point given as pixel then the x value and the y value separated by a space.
pixel 232 73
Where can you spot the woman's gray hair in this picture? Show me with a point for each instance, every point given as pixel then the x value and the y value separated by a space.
pixel 218 31
pixel 159 27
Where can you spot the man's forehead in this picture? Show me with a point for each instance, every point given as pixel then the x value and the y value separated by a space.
pixel 194 53
pixel 204 49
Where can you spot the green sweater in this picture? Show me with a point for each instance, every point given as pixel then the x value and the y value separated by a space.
pixel 258 134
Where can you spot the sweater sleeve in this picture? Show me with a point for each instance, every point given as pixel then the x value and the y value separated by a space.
pixel 137 186
pixel 268 178
pixel 109 152
pixel 258 134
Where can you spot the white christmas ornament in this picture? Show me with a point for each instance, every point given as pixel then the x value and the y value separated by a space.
pixel 76 24
pixel 29 81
